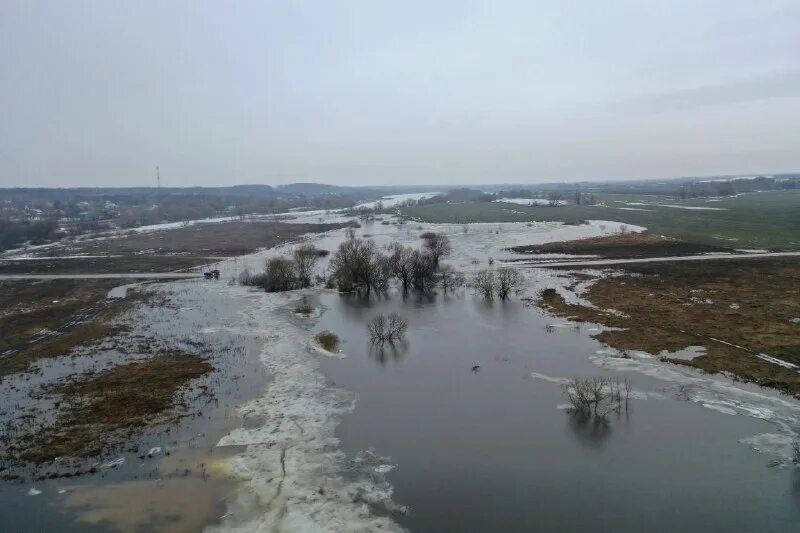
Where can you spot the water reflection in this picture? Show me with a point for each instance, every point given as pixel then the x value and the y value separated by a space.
pixel 388 351
pixel 589 430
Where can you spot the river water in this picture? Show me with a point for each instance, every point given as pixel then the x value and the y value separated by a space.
pixel 477 451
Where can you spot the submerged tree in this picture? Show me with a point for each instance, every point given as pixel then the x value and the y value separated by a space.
pixel 484 283
pixel 423 271
pixel 509 280
pixel 437 246
pixel 450 279
pixel 401 264
pixel 382 328
pixel 358 262
pixel 305 261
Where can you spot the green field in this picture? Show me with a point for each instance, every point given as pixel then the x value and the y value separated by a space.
pixel 769 220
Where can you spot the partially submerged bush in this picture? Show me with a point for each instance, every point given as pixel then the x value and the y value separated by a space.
pixel 389 328
pixel 597 396
pixel 328 340
pixel 437 246
pixel 304 308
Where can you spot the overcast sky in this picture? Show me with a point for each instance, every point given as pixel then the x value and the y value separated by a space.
pixel 378 92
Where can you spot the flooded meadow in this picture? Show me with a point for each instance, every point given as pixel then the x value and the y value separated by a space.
pixel 462 425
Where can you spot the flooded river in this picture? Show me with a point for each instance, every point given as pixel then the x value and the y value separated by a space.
pixel 484 450
pixel 459 428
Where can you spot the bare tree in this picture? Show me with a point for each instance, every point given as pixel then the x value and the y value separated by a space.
pixel 305 261
pixel 597 396
pixel 450 279
pixel 437 245
pixel 382 328
pixel 401 264
pixel 484 283
pixel 423 271
pixel 509 280
pixel 358 262
pixel 280 275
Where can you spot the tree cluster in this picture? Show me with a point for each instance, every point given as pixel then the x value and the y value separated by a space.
pixel 501 282
pixel 359 263
pixel 283 274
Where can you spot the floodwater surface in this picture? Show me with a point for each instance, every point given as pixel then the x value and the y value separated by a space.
pixel 490 449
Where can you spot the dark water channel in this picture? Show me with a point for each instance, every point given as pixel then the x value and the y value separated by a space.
pixel 490 450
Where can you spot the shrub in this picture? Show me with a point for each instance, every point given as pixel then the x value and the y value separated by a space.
pixel 597 396
pixel 548 294
pixel 328 340
pixel 280 275
pixel 305 261
pixel 249 279
pixel 304 308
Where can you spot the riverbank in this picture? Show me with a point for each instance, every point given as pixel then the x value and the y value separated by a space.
pixel 742 315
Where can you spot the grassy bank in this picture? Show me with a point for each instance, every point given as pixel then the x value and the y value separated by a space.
pixel 46 319
pixel 661 308
pixel 769 220
pixel 623 246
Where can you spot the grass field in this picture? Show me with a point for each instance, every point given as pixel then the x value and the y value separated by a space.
pixel 750 305
pixel 769 220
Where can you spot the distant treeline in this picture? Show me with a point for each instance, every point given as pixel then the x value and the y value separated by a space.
pixel 735 186
pixel 35 216
pixel 34 232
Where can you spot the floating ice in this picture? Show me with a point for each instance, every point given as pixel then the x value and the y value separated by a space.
pixel 551 379
pixel 33 491
pixel 716 392
pixel 776 444
pixel 295 477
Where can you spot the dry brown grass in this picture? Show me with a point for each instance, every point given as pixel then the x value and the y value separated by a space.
pixel 628 245
pixel 126 397
pixel 670 306
pixel 166 250
pixel 328 340
pixel 80 318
